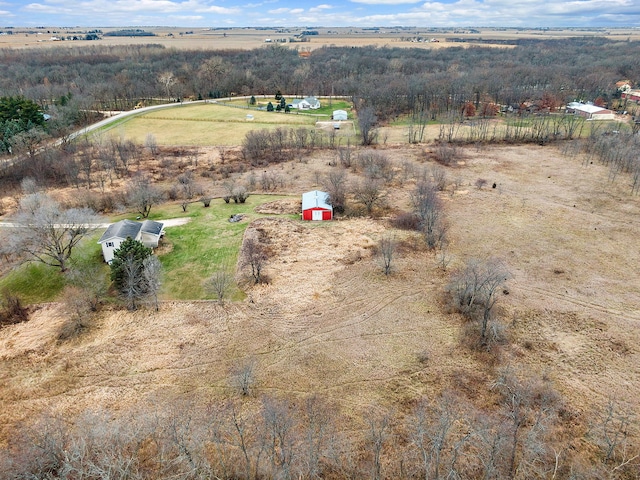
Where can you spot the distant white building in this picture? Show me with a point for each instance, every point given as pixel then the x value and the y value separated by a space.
pixel 590 112
pixel 147 232
pixel 339 115
pixel 307 103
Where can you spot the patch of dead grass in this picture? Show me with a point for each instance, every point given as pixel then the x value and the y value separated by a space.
pixel 330 322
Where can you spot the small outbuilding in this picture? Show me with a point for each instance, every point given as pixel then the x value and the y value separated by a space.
pixel 315 206
pixel 148 232
pixel 339 115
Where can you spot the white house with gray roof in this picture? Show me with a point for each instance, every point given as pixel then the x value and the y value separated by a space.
pixel 148 232
pixel 307 103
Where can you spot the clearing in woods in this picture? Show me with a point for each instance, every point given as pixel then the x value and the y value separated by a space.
pixel 204 124
pixel 330 322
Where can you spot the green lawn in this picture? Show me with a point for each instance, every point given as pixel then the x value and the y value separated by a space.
pixel 190 253
pixel 326 109
pixel 36 282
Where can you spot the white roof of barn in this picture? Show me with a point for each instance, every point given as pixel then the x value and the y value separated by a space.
pixel 587 108
pixel 315 199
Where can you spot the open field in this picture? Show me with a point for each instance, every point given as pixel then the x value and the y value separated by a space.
pixel 248 38
pixel 329 321
pixel 207 124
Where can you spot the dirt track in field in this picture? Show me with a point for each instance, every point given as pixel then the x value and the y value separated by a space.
pixel 330 322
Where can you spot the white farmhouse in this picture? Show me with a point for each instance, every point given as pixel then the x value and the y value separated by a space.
pixel 147 232
pixel 307 103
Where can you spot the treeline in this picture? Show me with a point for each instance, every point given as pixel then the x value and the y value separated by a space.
pixel 527 434
pixel 391 79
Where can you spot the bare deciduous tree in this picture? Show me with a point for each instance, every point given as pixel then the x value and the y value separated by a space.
pixel 369 193
pixel 167 80
pixel 278 435
pixel 367 120
pixel 187 183
pixel 48 233
pixel 335 184
pixel 475 289
pixel 378 434
pixel 152 271
pixel 78 307
pixel 611 433
pixel 431 432
pixel 387 248
pixel 142 195
pixel 255 257
pixel 151 143
pixel 220 283
pixel 429 209
pixel 243 376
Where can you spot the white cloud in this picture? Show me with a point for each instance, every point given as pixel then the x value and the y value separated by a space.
pixel 109 9
pixel 385 2
pixel 436 13
pixel 288 11
pixel 320 8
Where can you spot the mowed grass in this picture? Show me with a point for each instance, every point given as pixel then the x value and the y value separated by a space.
pixel 190 253
pixel 204 124
pixel 208 243
pixel 35 282
pixel 326 106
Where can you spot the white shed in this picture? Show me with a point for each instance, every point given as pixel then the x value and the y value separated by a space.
pixel 339 115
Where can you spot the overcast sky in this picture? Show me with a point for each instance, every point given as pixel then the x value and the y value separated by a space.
pixel 360 13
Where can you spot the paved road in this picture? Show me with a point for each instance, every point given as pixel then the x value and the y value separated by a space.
pixel 172 222
pixel 121 115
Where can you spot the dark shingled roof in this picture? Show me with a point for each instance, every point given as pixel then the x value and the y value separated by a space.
pixel 121 229
pixel 149 226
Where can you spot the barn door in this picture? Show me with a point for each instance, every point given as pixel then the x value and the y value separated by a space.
pixel 316 215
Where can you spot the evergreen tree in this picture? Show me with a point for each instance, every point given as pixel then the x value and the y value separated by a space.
pixel 270 107
pixel 127 271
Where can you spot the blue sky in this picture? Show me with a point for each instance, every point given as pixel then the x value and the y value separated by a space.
pixel 328 13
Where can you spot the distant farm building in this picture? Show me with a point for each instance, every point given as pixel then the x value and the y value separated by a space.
pixel 315 206
pixel 631 95
pixel 147 232
pixel 590 112
pixel 624 85
pixel 339 115
pixel 307 103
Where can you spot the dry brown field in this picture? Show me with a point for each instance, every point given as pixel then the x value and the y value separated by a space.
pixel 248 38
pixel 330 322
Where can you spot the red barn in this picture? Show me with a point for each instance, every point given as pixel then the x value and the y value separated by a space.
pixel 315 206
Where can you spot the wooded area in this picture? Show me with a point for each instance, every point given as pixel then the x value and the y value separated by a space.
pixel 392 80
pixel 518 426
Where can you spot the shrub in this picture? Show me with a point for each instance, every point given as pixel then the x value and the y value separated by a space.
pixel 406 221
pixel 11 309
